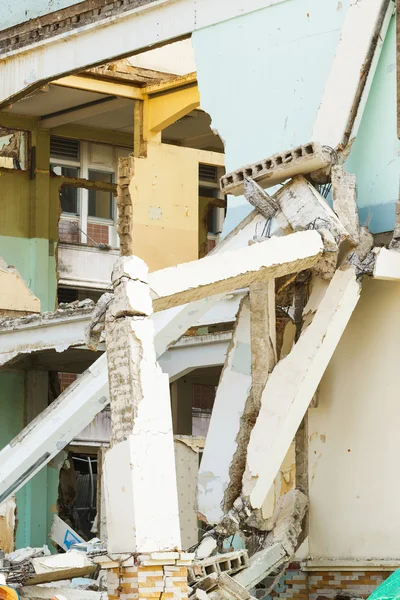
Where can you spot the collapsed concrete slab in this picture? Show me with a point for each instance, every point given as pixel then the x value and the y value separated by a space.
pixel 278 167
pixel 292 384
pixel 75 408
pixel 58 330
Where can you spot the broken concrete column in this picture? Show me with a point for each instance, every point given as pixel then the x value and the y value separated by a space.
pixel 263 359
pixel 305 208
pixel 263 335
pixel 292 385
pixel 125 205
pixel 232 392
pixel 139 467
pixel 258 198
pixel 281 543
pixel 344 196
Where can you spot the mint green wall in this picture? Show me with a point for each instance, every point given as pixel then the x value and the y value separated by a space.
pixel 32 519
pixel 13 12
pixel 374 156
pixel 262 76
pixel 38 269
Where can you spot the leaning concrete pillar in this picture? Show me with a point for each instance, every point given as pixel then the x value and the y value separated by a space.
pixel 139 467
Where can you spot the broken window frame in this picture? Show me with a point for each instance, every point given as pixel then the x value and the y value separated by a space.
pixel 85 164
pixel 73 215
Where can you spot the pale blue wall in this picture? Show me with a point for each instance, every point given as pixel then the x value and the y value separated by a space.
pixel 261 78
pixel 13 12
pixel 374 156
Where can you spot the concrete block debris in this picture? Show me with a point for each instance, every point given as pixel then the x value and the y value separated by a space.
pixel 229 563
pixel 277 168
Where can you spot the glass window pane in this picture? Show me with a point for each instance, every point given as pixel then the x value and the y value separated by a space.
pixel 100 203
pixel 68 195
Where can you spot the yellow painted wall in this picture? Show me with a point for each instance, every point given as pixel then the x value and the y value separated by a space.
pixel 354 442
pixel 165 197
pixel 14 293
pixel 14 203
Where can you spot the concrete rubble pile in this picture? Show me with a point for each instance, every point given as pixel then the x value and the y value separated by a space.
pixel 233 490
pixel 310 260
pixel 36 571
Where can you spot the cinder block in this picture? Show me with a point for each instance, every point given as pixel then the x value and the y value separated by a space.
pixel 229 563
pixel 278 167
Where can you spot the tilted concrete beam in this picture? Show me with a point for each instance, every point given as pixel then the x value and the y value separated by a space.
pixel 76 408
pixel 346 90
pixel 194 352
pixel 232 392
pixel 222 273
pixel 292 384
pixel 58 330
pixel 215 274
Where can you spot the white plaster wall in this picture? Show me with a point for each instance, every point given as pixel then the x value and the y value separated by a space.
pixel 262 76
pixel 84 266
pixel 187 467
pixel 354 441
pixel 177 58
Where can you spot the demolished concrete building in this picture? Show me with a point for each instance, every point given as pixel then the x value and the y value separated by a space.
pixel 262 469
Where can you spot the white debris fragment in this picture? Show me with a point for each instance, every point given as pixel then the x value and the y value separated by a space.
pixel 206 548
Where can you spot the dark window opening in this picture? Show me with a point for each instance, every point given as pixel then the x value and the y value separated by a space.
pixel 65 294
pixel 77 494
pixel 212 220
pixel 202 405
pixel 208 192
pixel 68 195
pixel 100 202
